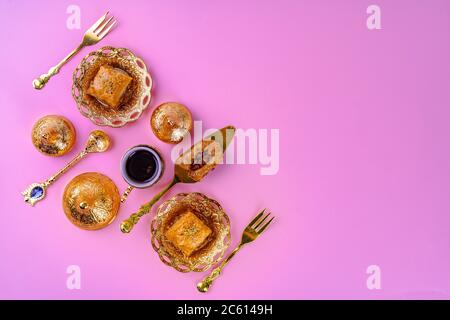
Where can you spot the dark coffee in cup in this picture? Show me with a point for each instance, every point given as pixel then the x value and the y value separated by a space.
pixel 141 166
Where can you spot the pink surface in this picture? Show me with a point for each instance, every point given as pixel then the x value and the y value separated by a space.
pixel 364 124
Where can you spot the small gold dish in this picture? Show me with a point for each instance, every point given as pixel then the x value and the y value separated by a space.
pixel 134 100
pixel 53 135
pixel 91 201
pixel 210 242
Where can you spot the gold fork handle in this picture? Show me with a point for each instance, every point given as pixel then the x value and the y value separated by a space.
pixel 203 286
pixel 40 82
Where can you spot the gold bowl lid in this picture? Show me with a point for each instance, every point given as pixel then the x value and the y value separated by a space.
pixel 53 135
pixel 171 121
pixel 91 201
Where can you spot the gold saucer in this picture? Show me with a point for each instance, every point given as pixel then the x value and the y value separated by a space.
pixel 136 98
pixel 210 212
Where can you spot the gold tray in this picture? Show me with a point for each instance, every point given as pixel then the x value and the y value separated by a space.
pixel 211 213
pixel 136 98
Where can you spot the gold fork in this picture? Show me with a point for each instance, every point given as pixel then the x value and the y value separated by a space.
pixel 251 233
pixel 93 35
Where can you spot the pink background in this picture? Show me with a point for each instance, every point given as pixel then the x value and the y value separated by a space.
pixel 364 123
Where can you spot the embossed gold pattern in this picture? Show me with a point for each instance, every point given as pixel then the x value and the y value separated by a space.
pixel 91 201
pixel 210 212
pixel 126 193
pixel 135 99
pixel 53 135
pixel 171 121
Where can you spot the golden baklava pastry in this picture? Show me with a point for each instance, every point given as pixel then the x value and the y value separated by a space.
pixel 188 233
pixel 203 157
pixel 109 85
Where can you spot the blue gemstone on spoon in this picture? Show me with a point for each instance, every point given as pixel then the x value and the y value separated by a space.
pixel 36 192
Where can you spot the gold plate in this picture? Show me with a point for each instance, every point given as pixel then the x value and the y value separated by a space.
pixel 91 201
pixel 210 212
pixel 136 98
pixel 53 135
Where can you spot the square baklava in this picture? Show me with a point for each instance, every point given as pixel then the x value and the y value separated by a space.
pixel 188 233
pixel 109 85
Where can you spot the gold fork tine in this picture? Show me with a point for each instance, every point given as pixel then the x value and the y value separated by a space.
pixel 105 32
pixel 98 22
pixel 264 226
pixel 257 218
pixel 102 26
pixel 260 223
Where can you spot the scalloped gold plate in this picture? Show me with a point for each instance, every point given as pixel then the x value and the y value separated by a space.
pixel 136 98
pixel 210 212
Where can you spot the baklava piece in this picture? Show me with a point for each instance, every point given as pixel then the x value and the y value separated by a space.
pixel 109 85
pixel 203 157
pixel 188 233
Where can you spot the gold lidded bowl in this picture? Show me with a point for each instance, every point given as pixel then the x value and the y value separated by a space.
pixel 135 99
pixel 171 122
pixel 91 201
pixel 210 213
pixel 53 135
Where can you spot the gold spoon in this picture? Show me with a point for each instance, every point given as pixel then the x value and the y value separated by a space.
pixel 188 169
pixel 98 141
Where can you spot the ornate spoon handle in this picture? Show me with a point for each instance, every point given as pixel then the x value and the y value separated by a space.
pixel 127 225
pixel 203 286
pixel 72 162
pixel 36 191
pixel 40 82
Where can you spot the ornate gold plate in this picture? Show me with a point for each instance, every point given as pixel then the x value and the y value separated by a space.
pixel 136 98
pixel 210 212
